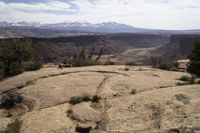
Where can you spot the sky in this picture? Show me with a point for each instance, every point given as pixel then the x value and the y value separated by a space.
pixel 156 14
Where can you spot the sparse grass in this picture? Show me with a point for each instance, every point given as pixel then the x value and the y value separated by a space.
pixel 174 69
pixel 84 62
pixel 182 83
pixel 194 64
pixel 69 112
pixel 198 81
pixel 184 130
pixel 188 79
pixel 84 98
pixel 78 99
pixel 71 115
pixel 164 67
pixel 133 91
pixel 96 98
pixel 109 63
pixel 185 78
pixel 13 127
pixel 75 100
pixel 126 69
pixel 11 99
pixel 33 66
pixel 9 114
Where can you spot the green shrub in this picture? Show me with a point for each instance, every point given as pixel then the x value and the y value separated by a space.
pixel 75 100
pixel 133 91
pixel 194 68
pixel 81 59
pixel 126 69
pixel 84 98
pixel 83 62
pixel 164 67
pixel 188 79
pixel 69 112
pixel 13 127
pixel 33 66
pixel 13 53
pixel 198 81
pixel 11 99
pixel 1 72
pixel 156 61
pixel 80 62
pixel 79 99
pixel 194 64
pixel 109 63
pixel 96 98
pixel 174 69
pixel 15 69
pixel 192 81
pixel 185 78
pixel 182 83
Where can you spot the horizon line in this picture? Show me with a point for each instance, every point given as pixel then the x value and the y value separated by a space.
pixel 83 21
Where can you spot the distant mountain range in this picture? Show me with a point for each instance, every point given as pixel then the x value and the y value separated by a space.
pixel 107 27
pixel 82 27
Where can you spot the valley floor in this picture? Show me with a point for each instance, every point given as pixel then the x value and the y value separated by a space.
pixel 133 100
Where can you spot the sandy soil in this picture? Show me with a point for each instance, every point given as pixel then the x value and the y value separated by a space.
pixel 140 100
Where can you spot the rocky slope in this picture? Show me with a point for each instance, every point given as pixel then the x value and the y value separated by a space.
pixel 57 49
pixel 179 47
pixel 121 48
pixel 133 100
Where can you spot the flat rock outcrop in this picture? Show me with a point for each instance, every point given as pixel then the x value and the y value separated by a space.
pixel 137 100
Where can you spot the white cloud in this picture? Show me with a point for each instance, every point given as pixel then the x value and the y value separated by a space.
pixel 165 14
pixel 54 5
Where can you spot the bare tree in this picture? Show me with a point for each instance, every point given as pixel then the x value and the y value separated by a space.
pixel 91 53
pixel 100 53
pixel 156 61
pixel 82 54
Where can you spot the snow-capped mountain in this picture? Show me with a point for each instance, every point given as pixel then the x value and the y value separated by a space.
pixel 106 27
pixel 109 27
pixel 83 26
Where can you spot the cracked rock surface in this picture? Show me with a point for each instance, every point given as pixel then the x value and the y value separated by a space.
pixel 158 104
